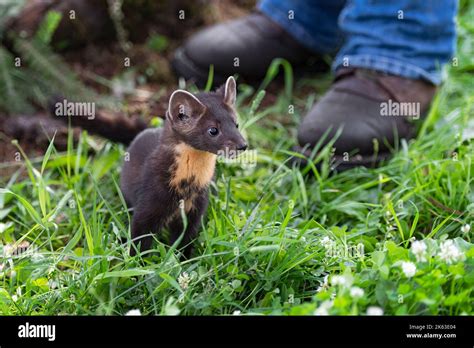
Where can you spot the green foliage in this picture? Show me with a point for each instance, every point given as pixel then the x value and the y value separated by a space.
pixel 157 42
pixel 270 237
pixel 34 74
pixel 40 76
pixel 48 26
pixel 13 83
pixel 274 241
pixel 273 71
pixel 210 78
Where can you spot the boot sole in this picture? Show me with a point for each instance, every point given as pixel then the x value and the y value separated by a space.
pixel 339 164
pixel 183 66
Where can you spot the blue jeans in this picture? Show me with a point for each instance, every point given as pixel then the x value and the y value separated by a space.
pixel 409 38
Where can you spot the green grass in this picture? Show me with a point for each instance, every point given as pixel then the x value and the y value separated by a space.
pixel 264 246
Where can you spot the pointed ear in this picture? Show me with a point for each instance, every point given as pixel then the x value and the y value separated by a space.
pixel 230 91
pixel 184 106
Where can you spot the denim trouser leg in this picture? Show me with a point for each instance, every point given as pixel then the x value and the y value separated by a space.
pixel 410 38
pixel 311 22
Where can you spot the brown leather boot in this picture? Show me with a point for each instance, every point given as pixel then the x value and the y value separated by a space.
pixel 368 107
pixel 244 46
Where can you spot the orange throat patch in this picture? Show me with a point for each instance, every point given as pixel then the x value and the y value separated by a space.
pixel 193 166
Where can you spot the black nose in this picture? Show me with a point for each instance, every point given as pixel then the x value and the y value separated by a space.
pixel 242 147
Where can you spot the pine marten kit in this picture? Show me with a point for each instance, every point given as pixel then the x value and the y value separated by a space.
pixel 169 169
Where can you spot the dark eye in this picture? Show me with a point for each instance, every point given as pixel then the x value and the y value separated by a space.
pixel 237 125
pixel 182 116
pixel 213 131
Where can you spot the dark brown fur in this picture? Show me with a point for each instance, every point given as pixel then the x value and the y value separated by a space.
pixel 168 170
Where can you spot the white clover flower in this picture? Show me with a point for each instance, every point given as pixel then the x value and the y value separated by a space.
pixel 184 279
pixel 409 269
pixel 8 250
pixel 327 242
pixel 339 280
pixel 356 292
pixel 374 310
pixel 466 228
pixel 236 313
pixel 3 227
pixel 17 294
pixel 449 252
pixel 133 312
pixel 324 285
pixel 321 311
pixel 324 308
pixel 418 248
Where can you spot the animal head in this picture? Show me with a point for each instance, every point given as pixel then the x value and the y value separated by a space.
pixel 207 121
